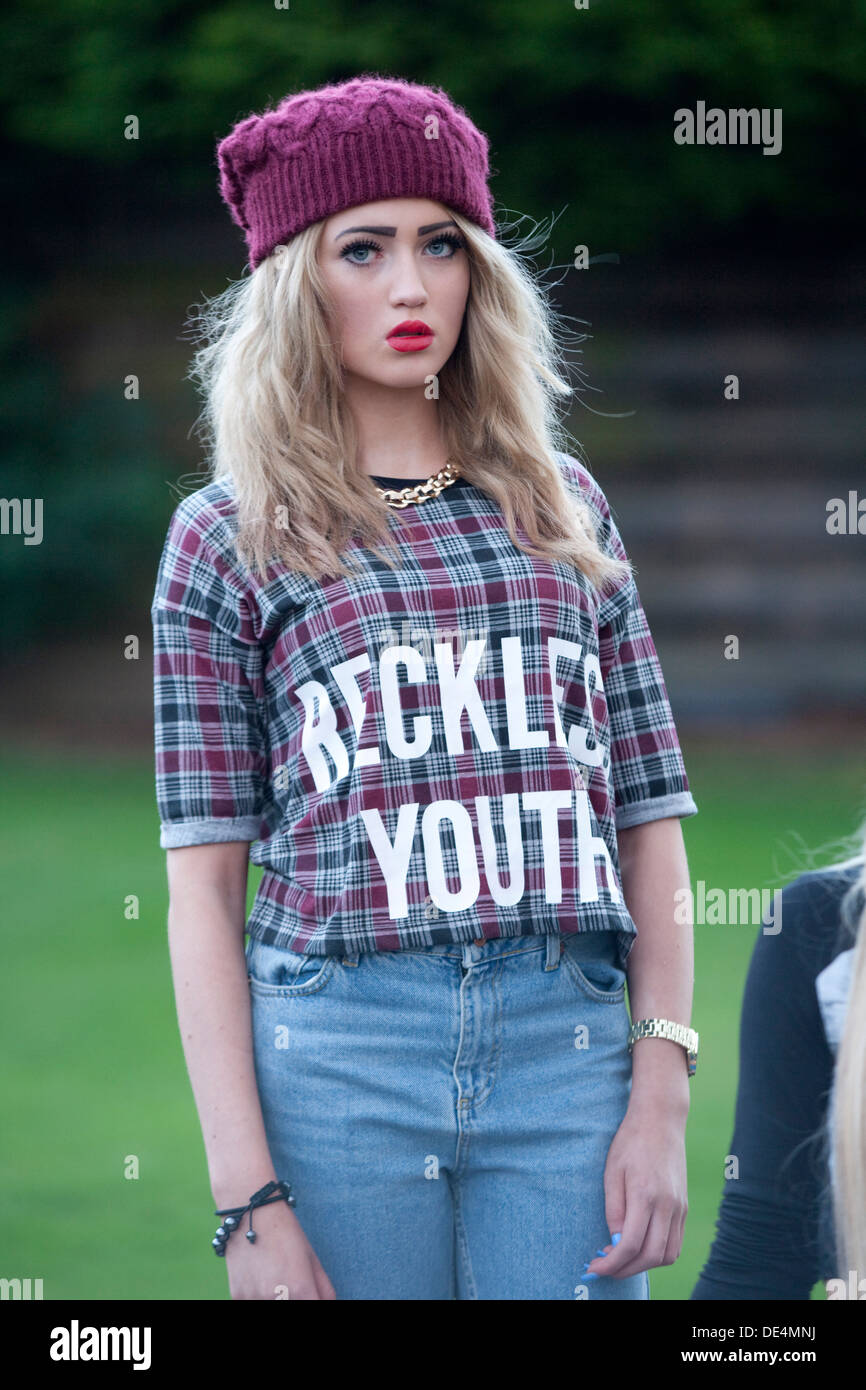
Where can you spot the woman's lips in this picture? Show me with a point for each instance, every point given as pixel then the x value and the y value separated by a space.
pixel 411 336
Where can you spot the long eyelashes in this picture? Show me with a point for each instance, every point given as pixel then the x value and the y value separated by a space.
pixel 452 240
pixel 359 245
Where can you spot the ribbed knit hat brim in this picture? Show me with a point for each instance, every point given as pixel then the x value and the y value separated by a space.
pixel 319 152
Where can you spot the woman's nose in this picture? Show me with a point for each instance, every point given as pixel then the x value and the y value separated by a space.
pixel 407 285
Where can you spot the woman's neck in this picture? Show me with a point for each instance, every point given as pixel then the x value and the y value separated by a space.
pixel 398 430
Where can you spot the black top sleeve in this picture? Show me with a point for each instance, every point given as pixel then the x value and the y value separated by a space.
pixel 772 1232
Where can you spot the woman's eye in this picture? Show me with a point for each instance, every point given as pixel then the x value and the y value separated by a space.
pixel 357 251
pixel 450 243
pixel 362 246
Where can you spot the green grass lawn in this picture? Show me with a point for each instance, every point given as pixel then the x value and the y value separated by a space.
pixel 94 1074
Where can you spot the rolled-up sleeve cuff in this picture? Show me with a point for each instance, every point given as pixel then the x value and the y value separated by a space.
pixel 207 832
pixel 637 812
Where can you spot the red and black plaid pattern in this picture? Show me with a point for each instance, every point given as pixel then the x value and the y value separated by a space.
pixel 435 753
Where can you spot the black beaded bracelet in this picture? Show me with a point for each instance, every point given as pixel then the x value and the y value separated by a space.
pixel 233 1215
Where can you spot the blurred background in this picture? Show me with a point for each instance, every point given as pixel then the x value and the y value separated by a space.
pixel 705 262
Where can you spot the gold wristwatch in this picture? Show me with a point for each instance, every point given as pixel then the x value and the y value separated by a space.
pixel 674 1032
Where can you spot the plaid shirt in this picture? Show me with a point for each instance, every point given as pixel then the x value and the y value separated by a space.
pixel 436 753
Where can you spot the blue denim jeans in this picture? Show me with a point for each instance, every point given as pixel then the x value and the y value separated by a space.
pixel 444 1114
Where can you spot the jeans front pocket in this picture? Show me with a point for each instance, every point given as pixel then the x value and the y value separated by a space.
pixel 591 960
pixel 280 974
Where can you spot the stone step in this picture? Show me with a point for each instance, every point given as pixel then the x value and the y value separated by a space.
pixel 694 513
pixel 773 677
pixel 786 600
pixel 771 365
pixel 733 441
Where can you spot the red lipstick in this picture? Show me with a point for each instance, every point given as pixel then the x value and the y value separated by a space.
pixel 410 336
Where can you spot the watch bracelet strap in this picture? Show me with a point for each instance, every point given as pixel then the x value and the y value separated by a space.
pixel 673 1032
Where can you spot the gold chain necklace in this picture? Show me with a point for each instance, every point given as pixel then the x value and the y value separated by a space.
pixel 419 492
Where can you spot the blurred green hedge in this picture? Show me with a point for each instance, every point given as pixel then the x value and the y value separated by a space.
pixel 578 103
pixel 579 106
pixel 94 461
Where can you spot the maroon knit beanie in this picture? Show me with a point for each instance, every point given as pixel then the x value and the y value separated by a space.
pixel 372 137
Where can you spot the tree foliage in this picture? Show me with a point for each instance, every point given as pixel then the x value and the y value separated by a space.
pixel 578 103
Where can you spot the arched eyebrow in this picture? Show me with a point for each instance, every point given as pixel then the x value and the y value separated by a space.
pixel 392 231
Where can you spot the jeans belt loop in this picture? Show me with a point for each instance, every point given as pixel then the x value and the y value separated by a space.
pixel 554 951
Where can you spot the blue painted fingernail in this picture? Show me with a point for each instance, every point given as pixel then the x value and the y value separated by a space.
pixel 615 1239
pixel 602 1253
pixel 589 1276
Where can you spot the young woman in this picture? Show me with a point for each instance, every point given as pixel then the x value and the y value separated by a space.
pixel 400 651
pixel 794 1210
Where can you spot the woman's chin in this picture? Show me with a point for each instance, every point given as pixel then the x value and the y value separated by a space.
pixel 406 371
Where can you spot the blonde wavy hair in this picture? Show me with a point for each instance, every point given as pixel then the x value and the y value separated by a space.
pixel 276 422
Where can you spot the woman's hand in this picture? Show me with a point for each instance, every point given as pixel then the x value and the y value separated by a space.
pixel 645 1172
pixel 645 1189
pixel 280 1264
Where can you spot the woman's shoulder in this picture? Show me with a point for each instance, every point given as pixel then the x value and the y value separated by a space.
pixel 208 506
pixel 820 913
pixel 205 522
pixel 577 474
pixel 820 893
pixel 825 908
pixel 199 559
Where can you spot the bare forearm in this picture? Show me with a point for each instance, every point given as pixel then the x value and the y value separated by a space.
pixel 213 1010
pixel 654 867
